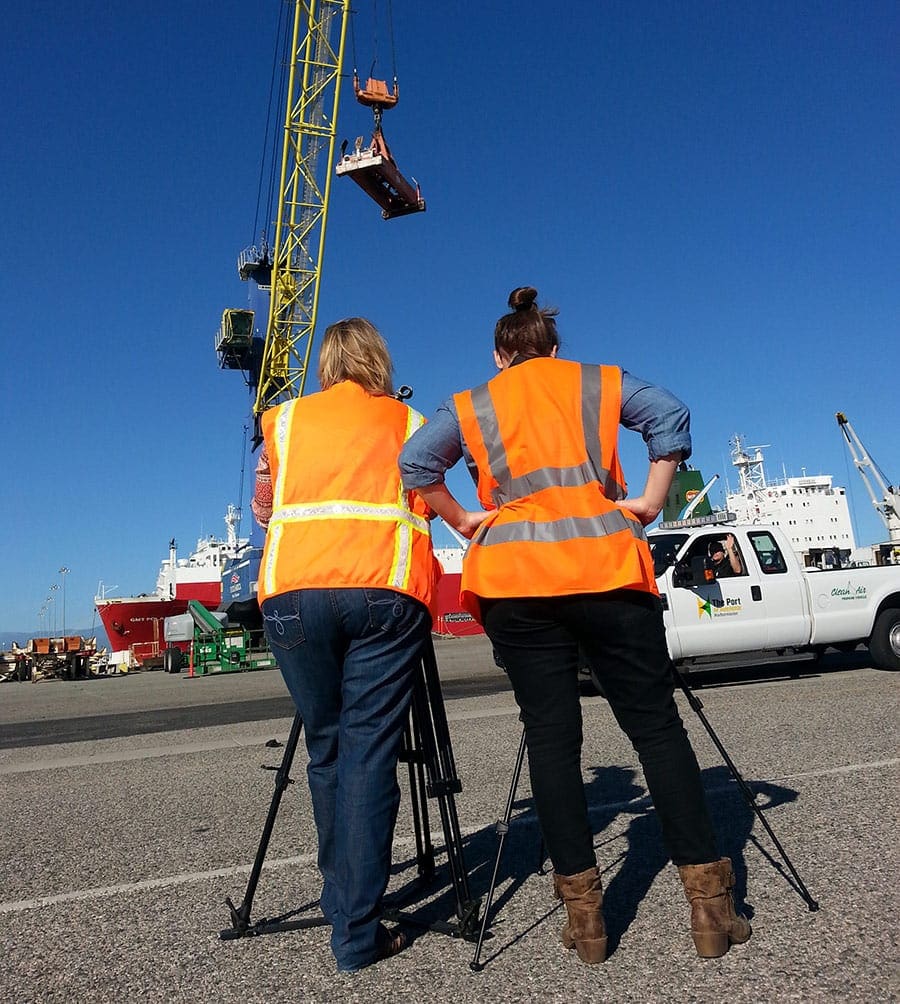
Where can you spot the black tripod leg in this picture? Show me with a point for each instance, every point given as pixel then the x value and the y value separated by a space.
pixel 502 829
pixel 697 706
pixel 432 730
pixel 240 915
pixel 411 755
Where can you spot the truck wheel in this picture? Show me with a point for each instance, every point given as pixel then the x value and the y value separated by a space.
pixel 173 660
pixel 884 645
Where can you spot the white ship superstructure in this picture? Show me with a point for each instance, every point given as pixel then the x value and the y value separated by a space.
pixel 811 510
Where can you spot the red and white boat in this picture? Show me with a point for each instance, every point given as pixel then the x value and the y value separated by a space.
pixel 135 623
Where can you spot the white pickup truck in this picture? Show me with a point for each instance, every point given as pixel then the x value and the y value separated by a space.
pixel 774 609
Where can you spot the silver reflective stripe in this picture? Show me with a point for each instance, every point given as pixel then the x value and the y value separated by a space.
pixel 344 509
pixel 414 420
pixel 398 577
pixel 554 531
pixel 486 417
pixel 590 419
pixel 508 487
pixel 549 477
pixel 273 539
pixel 281 436
pixel 405 525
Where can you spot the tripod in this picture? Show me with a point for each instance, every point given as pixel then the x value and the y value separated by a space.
pixel 502 826
pixel 427 751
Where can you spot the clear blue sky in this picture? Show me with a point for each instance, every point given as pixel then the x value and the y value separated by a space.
pixel 707 191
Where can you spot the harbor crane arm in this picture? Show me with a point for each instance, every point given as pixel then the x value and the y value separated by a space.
pixel 888 505
pixel 313 93
pixel 275 365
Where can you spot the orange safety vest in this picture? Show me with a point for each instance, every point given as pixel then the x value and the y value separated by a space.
pixel 340 516
pixel 543 436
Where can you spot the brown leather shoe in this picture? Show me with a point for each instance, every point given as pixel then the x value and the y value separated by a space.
pixel 389 943
pixel 585 930
pixel 715 925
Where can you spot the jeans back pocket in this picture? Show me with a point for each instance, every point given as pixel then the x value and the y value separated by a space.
pixel 282 622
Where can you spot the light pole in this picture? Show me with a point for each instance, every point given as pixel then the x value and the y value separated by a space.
pixel 51 621
pixel 53 588
pixel 64 572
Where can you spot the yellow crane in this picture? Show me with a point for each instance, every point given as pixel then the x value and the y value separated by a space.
pixel 292 270
pixel 310 126
pixel 284 279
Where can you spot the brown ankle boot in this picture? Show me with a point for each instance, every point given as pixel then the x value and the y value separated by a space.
pixel 585 930
pixel 714 923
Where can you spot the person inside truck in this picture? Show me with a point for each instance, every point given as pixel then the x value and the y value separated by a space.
pixel 724 557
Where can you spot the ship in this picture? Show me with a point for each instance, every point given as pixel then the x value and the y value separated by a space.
pixel 812 510
pixel 135 625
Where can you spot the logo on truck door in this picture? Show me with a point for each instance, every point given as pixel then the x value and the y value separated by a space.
pixel 728 606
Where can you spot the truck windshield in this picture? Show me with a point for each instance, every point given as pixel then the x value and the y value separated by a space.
pixel 664 547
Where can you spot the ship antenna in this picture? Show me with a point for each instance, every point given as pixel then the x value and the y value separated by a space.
pixel 232 518
pixel 240 504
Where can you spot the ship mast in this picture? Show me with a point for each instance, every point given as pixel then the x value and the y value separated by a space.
pixel 751 469
pixel 232 520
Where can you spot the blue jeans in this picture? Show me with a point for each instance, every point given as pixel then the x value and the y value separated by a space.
pixel 349 658
pixel 622 636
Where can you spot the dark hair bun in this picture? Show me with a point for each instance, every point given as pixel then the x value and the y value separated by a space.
pixel 522 298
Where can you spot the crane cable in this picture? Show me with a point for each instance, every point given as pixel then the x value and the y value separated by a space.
pixel 375 38
pixel 279 57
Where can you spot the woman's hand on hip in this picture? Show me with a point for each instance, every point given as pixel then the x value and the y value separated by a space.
pixel 645 510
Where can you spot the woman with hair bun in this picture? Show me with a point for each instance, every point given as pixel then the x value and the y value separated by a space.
pixel 559 562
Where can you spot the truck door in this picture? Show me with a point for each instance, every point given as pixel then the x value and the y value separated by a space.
pixel 727 615
pixel 783 593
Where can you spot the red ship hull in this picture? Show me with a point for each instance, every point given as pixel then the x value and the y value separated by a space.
pixel 137 622
pixel 451 619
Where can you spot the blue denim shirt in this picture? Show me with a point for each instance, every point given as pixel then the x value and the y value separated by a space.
pixel 663 421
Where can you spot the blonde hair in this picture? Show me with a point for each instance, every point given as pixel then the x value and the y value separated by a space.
pixel 353 349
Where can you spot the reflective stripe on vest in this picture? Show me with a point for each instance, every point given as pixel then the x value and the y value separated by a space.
pixel 557 530
pixel 406 522
pixel 508 487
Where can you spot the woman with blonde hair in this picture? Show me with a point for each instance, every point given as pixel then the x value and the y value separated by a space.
pixel 346 585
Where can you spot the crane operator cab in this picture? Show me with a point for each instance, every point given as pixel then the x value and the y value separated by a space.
pixel 373 167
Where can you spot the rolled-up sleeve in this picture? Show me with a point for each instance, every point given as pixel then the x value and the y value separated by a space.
pixel 432 449
pixel 261 503
pixel 659 416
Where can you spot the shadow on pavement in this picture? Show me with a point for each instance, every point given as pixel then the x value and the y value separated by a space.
pixel 616 795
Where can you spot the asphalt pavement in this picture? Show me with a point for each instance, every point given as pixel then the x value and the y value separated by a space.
pixel 133 806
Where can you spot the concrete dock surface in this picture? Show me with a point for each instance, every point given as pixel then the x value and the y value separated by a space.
pixel 122 839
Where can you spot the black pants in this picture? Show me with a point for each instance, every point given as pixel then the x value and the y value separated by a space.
pixel 622 636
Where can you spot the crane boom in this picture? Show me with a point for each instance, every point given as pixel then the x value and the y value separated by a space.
pixel 310 127
pixel 888 505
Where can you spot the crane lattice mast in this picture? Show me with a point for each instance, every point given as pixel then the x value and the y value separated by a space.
pixel 888 504
pixel 312 98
